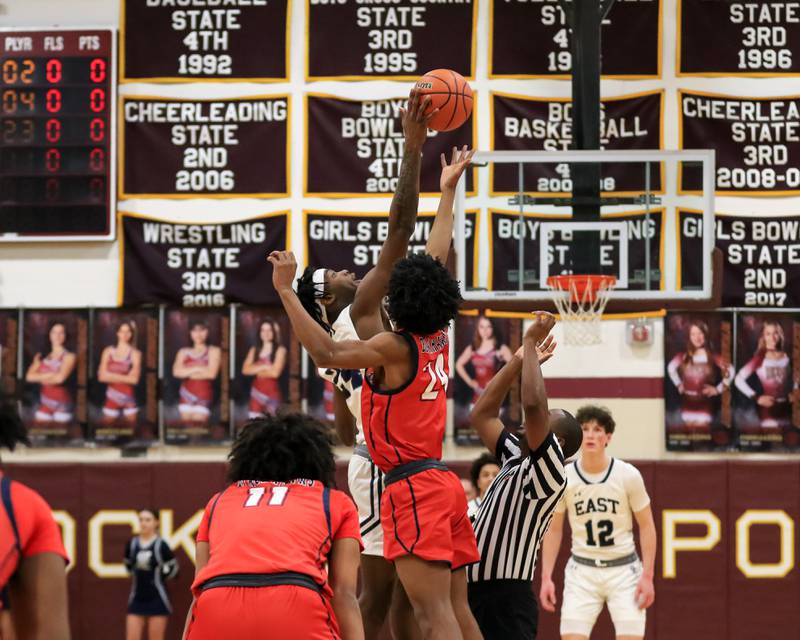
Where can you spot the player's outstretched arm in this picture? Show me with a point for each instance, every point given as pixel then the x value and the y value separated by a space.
pixel 385 348
pixel 550 546
pixel 343 420
pixel 442 231
pixel 645 592
pixel 366 310
pixel 534 394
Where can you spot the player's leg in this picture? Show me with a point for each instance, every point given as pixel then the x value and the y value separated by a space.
pixel 427 585
pixel 582 601
pixel 629 620
pixel 134 627
pixel 458 596
pixel 377 582
pixel 157 627
pixel 401 615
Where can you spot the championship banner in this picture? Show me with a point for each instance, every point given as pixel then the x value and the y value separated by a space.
pixel 757 141
pixel 698 358
pixel 171 148
pixel 368 138
pixel 352 40
pixel 215 40
pixel 521 123
pixel 758 39
pixel 123 379
pixel 206 264
pixel 9 336
pixel 761 258
pixel 55 346
pixel 767 399
pixel 506 229
pixel 630 40
pixel 353 240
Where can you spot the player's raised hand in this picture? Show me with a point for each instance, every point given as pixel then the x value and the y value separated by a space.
pixel 547 595
pixel 544 350
pixel 645 593
pixel 284 269
pixel 541 326
pixel 415 118
pixel 451 173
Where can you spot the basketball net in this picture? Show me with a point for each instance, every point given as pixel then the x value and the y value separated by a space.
pixel 580 301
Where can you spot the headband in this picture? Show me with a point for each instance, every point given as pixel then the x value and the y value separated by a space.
pixel 318 279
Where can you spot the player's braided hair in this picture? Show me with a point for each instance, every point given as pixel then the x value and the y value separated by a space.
pixel 478 464
pixel 309 294
pixel 423 296
pixel 282 448
pixel 600 414
pixel 12 430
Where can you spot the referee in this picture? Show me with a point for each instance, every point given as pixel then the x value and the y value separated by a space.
pixel 519 504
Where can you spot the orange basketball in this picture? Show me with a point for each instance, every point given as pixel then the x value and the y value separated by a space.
pixel 451 94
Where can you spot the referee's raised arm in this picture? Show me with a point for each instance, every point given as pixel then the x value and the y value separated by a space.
pixel 534 394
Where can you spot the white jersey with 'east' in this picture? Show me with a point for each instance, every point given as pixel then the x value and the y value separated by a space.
pixel 600 509
pixel 348 381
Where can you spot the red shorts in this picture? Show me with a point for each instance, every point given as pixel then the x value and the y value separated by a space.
pixel 426 515
pixel 253 613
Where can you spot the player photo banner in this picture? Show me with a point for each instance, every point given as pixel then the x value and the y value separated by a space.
pixel 207 264
pixel 368 138
pixel 204 148
pixel 543 48
pixel 266 370
pixel 55 345
pixel 767 400
pixel 506 229
pixel 230 41
pixel 354 40
pixel 757 142
pixel 520 123
pixel 739 38
pixel 698 353
pixel 123 384
pixel 353 241
pixel 9 328
pixel 761 258
pixel 194 380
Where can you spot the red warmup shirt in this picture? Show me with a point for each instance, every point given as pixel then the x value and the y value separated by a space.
pixel 38 531
pixel 273 527
pixel 408 423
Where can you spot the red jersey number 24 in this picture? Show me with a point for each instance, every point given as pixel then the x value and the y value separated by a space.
pixel 438 380
pixel 277 496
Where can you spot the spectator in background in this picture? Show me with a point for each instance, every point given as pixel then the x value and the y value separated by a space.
pixel 150 561
pixel 266 361
pixel 32 556
pixel 483 471
pixel 469 489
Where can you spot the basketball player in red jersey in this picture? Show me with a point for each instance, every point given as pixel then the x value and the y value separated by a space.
pixel 278 550
pixel 198 366
pixel 120 368
pixel 427 533
pixel 32 557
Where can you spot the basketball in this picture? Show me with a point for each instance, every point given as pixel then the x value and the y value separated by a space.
pixel 451 94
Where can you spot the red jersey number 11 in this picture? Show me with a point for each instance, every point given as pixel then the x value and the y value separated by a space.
pixel 277 496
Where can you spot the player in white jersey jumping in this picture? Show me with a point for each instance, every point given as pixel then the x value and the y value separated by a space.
pixel 602 498
pixel 351 310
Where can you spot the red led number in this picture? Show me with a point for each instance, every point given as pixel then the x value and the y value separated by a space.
pixel 52 130
pixel 97 160
pixel 53 100
pixel 96 189
pixel 97 100
pixel 97 70
pixel 53 71
pixel 97 130
pixel 52 160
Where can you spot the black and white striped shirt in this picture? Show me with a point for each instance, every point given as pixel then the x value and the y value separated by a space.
pixel 517 510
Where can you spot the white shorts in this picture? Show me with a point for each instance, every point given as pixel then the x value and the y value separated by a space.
pixel 586 589
pixel 366 486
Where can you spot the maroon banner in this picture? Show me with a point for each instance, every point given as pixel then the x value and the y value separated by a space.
pixel 522 123
pixel 699 371
pixel 368 139
pixel 165 41
pixel 757 142
pixel 206 264
pixel 738 38
pixel 396 41
pixel 174 148
pixel 630 40
pixel 123 383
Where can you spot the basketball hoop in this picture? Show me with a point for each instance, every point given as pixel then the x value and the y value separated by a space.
pixel 580 301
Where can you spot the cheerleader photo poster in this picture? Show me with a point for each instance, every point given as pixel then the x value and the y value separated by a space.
pixel 767 400
pixel 265 364
pixel 54 371
pixel 698 352
pixel 194 374
pixel 123 380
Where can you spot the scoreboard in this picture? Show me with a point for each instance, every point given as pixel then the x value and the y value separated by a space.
pixel 57 110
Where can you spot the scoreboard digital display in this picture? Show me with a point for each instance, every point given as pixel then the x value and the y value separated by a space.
pixel 57 104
